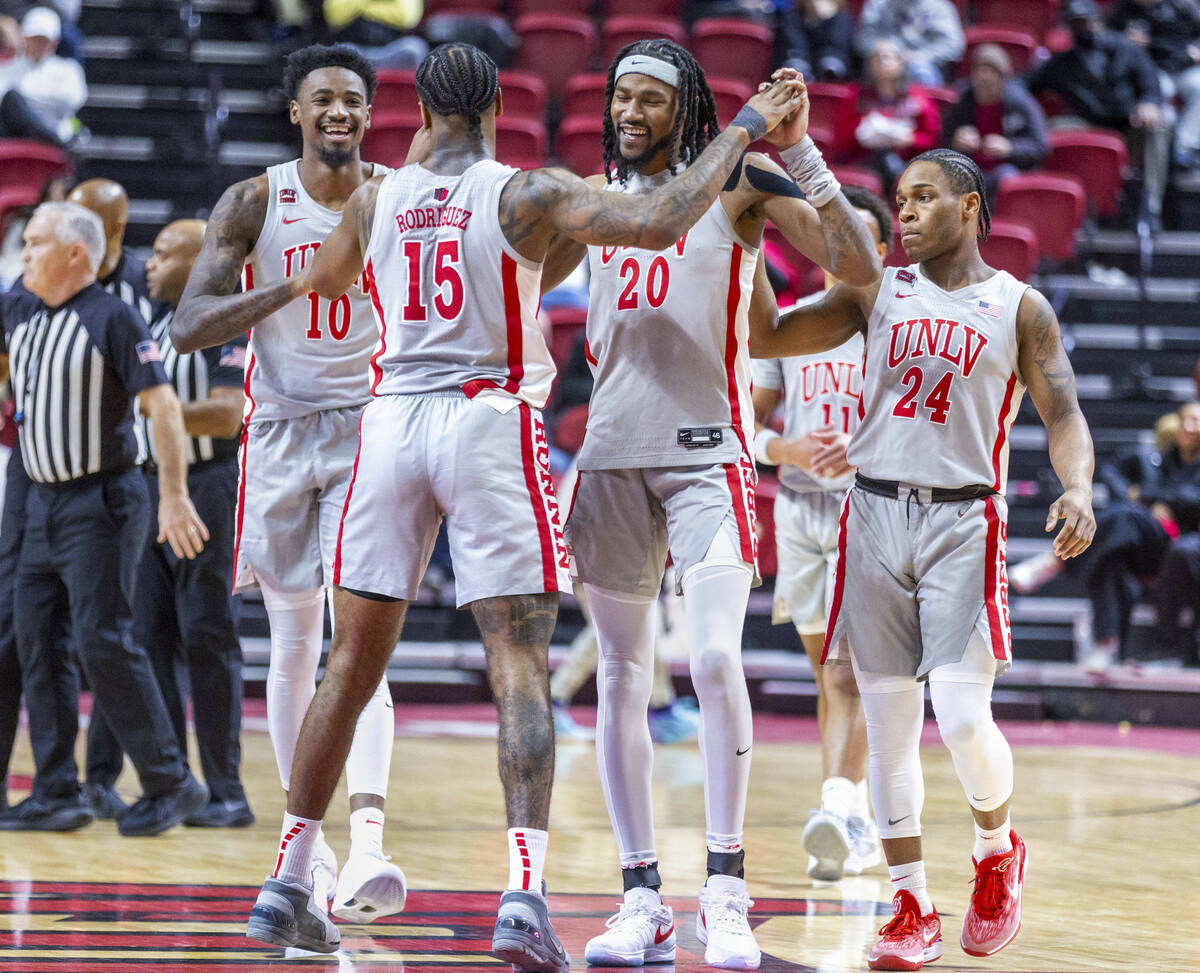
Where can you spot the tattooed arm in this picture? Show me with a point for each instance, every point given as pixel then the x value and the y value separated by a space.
pixel 1047 374
pixel 342 256
pixel 822 326
pixel 210 312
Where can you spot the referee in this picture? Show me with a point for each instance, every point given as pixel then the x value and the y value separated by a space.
pixel 78 357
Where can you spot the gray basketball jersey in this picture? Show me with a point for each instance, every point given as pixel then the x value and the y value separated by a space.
pixel 312 354
pixel 818 390
pixel 667 339
pixel 941 385
pixel 457 305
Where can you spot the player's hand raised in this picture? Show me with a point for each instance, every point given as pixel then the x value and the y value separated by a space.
pixel 795 126
pixel 778 100
pixel 1074 507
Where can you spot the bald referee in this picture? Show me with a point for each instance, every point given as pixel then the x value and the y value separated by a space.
pixel 78 358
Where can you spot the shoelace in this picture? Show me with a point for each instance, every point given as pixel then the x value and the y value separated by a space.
pixel 991 892
pixel 729 914
pixel 902 924
pixel 651 916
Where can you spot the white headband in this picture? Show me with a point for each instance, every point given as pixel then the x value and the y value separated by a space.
pixel 651 66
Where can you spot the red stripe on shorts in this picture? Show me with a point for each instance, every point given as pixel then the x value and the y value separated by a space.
pixel 995 592
pixel 839 582
pixel 337 551
pixel 737 491
pixel 529 462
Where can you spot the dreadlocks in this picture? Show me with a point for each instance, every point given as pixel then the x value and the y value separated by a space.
pixel 695 120
pixel 964 177
pixel 300 64
pixel 458 79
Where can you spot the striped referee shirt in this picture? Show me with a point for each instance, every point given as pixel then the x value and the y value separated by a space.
pixel 75 370
pixel 193 376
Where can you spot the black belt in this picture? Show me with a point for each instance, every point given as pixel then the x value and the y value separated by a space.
pixel 899 491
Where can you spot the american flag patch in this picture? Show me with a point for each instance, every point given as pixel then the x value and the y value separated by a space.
pixel 233 356
pixel 147 351
pixel 287 196
pixel 991 310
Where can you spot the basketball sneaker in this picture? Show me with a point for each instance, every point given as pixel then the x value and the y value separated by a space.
pixel 369 886
pixel 993 918
pixel 674 723
pixel 642 932
pixel 1033 573
pixel 910 940
pixel 286 914
pixel 866 851
pixel 524 936
pixel 722 926
pixel 826 838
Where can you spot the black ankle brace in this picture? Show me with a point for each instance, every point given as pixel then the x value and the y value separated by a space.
pixel 642 876
pixel 727 863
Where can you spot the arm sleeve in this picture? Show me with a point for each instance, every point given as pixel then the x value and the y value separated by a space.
pixel 130 350
pixel 227 363
pixel 767 372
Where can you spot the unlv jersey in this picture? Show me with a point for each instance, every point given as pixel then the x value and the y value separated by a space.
pixel 667 339
pixel 941 385
pixel 457 305
pixel 311 354
pixel 818 390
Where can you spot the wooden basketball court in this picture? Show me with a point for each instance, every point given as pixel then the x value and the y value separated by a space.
pixel 1111 816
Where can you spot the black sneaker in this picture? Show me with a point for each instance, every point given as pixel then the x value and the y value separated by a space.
pixel 524 936
pixel 286 914
pixel 222 814
pixel 38 814
pixel 154 815
pixel 105 802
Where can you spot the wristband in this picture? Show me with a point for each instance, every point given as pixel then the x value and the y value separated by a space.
pixel 761 438
pixel 806 165
pixel 749 119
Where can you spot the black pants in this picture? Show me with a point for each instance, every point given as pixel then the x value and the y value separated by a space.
pixel 1179 597
pixel 12 522
pixel 183 613
pixel 18 120
pixel 79 559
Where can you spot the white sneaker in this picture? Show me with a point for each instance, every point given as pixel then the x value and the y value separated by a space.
pixel 642 932
pixel 324 874
pixel 866 851
pixel 722 927
pixel 1027 576
pixel 369 886
pixel 827 841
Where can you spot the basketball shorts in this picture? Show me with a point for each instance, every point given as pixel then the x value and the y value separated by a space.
pixel 291 490
pixel 806 529
pixel 425 457
pixel 916 578
pixel 622 523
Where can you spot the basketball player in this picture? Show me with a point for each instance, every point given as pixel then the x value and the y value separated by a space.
pixel 666 462
pixel 820 401
pixel 306 383
pixel 921 591
pixel 452 251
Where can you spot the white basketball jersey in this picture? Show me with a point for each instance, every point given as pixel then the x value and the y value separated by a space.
pixel 667 336
pixel 311 354
pixel 941 385
pixel 818 390
pixel 456 304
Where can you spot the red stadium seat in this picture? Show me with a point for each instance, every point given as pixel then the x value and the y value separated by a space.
pixel 397 91
pixel 619 31
pixel 1035 16
pixel 30 165
pixel 576 8
pixel 1097 157
pixel 585 95
pixel 13 200
pixel 580 144
pixel 388 139
pixel 519 139
pixel 1020 45
pixel 868 179
pixel 1052 205
pixel 643 8
pixel 1011 246
pixel 733 48
pixel 567 324
pixel 524 94
pixel 1058 39
pixel 827 99
pixel 554 47
pixel 570 429
pixel 730 94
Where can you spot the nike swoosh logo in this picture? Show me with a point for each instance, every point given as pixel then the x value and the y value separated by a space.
pixel 288 222
pixel 892 823
pixel 661 937
pixel 742 753
pixel 898 294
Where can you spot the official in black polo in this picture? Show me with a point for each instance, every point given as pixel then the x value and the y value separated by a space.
pixel 78 357
pixel 184 609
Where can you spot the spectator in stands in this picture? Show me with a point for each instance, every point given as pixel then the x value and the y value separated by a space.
pixel 996 121
pixel 70 43
pixel 42 91
pixel 382 30
pixel 929 34
pixel 1107 80
pixel 1169 31
pixel 1156 499
pixel 816 38
pixel 888 120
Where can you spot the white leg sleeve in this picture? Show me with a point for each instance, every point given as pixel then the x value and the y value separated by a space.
pixel 714 606
pixel 296 619
pixel 625 628
pixel 894 707
pixel 962 701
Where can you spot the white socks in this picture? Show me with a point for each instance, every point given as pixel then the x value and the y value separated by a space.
pixel 992 842
pixel 366 832
pixel 911 877
pixel 526 858
pixel 838 796
pixel 297 843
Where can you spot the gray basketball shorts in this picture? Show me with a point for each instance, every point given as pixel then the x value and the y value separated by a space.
pixel 425 457
pixel 915 579
pixel 622 523
pixel 806 536
pixel 293 475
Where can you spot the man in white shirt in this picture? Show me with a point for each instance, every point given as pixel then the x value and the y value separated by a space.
pixel 42 91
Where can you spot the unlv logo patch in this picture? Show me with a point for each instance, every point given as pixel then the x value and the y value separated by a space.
pixel 441 194
pixel 907 276
pixel 288 196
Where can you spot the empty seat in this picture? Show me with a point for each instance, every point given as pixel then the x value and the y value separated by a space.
pixel 827 100
pixel 524 94
pixel 519 139
pixel 868 179
pixel 619 31
pixel 1097 157
pixel 584 95
pixel 580 144
pixel 648 8
pixel 388 139
pixel 733 48
pixel 555 47
pixel 578 8
pixel 730 95
pixel 30 165
pixel 396 91
pixel 463 7
pixel 1020 46
pixel 1051 205
pixel 1035 16
pixel 1011 246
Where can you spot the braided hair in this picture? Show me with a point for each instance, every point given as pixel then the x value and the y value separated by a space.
pixel 300 64
pixel 458 79
pixel 695 118
pixel 964 177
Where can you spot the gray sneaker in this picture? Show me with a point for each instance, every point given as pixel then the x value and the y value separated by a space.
pixel 524 936
pixel 288 915
pixel 827 842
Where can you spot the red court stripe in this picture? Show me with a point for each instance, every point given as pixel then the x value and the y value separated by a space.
pixel 528 461
pixel 337 551
pixel 1002 430
pixel 991 581
pixel 839 578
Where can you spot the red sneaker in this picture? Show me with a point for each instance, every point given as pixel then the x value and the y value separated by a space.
pixel 993 918
pixel 910 939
